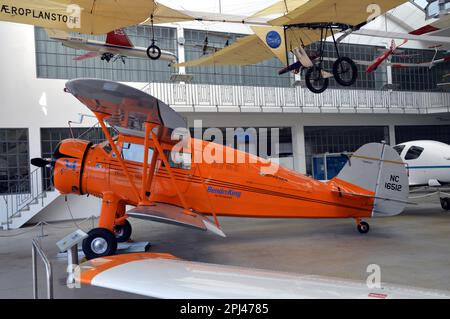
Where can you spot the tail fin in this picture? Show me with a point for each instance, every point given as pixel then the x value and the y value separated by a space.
pixel 119 37
pixel 378 169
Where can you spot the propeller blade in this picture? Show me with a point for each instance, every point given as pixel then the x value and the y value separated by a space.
pixel 40 162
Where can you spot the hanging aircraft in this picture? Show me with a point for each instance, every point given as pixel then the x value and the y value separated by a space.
pixel 305 23
pixel 90 16
pixel 145 167
pixel 384 56
pixel 428 164
pixel 117 47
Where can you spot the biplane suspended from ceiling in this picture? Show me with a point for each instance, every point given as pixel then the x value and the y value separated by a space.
pixel 180 182
pixel 307 22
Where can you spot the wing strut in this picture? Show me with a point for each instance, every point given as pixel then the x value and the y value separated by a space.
pixel 101 117
pixel 169 170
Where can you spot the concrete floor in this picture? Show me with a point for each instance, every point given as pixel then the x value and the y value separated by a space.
pixel 412 249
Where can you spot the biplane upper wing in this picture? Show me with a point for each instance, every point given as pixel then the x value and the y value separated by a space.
pixel 337 11
pixel 127 108
pixel 86 16
pixel 165 276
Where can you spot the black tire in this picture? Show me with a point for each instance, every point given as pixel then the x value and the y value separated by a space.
pixel 123 232
pixel 345 71
pixel 106 241
pixel 363 228
pixel 445 203
pixel 314 80
pixel 153 52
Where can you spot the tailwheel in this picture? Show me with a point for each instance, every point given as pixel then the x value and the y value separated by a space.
pixel 345 71
pixel 445 203
pixel 100 243
pixel 315 81
pixel 123 232
pixel 363 227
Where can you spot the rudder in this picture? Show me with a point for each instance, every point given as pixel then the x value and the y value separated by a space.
pixel 378 169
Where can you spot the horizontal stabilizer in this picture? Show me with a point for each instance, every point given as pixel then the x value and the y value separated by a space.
pixel 170 214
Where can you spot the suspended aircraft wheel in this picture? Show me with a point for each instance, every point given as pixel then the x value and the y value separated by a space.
pixel 123 232
pixel 101 242
pixel 363 227
pixel 153 52
pixel 345 71
pixel 445 203
pixel 314 80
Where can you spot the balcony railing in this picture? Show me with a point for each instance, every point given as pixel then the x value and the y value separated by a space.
pixel 224 98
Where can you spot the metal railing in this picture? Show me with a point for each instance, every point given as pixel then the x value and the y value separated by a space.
pixel 215 98
pixel 31 190
pixel 35 250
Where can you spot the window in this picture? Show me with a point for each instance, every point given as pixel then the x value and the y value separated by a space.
pixel 440 133
pixel 14 161
pixel 414 153
pixel 135 152
pixel 179 160
pixel 399 149
pixel 339 139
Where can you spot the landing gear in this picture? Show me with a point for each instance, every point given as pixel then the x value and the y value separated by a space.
pixel 315 81
pixel 100 243
pixel 123 232
pixel 445 203
pixel 362 227
pixel 345 71
pixel 153 51
pixel 107 57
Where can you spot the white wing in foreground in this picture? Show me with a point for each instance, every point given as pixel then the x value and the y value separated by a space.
pixel 164 276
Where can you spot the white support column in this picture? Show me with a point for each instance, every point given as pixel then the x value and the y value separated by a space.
pixel 392 141
pixel 181 53
pixel 298 143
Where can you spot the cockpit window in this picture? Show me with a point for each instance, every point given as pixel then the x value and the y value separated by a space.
pixel 399 149
pixel 135 152
pixel 414 153
pixel 179 160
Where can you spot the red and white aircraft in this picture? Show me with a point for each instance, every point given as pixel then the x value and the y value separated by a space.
pixel 117 46
pixel 383 57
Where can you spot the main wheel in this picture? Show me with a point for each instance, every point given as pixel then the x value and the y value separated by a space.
pixel 345 71
pixel 314 80
pixel 363 227
pixel 123 232
pixel 153 52
pixel 445 203
pixel 101 242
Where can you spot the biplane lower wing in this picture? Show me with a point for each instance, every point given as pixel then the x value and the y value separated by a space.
pixel 170 214
pixel 165 276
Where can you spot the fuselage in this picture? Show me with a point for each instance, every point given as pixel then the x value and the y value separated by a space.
pixel 426 160
pixel 101 47
pixel 224 189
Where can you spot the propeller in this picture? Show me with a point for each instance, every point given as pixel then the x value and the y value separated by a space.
pixel 40 162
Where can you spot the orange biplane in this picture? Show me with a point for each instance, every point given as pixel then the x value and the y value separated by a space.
pixel 145 167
